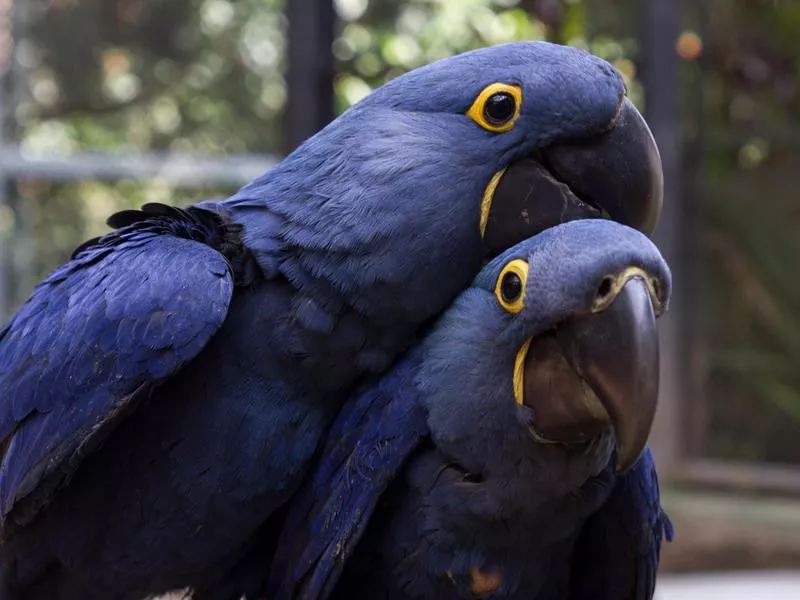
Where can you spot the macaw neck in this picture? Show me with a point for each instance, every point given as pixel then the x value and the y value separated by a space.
pixel 379 207
pixel 373 238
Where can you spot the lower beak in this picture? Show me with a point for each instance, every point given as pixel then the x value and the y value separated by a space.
pixel 598 370
pixel 616 174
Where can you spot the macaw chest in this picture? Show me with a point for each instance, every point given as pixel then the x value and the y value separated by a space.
pixel 437 534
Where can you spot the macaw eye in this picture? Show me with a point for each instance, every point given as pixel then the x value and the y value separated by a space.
pixel 510 287
pixel 497 107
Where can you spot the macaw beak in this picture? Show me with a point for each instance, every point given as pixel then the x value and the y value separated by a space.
pixel 598 370
pixel 616 174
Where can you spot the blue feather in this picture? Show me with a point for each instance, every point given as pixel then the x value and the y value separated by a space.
pixel 116 326
pixel 431 486
pixel 209 348
pixel 617 554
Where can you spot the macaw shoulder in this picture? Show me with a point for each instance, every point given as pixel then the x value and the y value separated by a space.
pixel 127 311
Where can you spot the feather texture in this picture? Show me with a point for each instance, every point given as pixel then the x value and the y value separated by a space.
pixel 431 485
pixel 126 312
pixel 617 553
pixel 371 439
pixel 208 349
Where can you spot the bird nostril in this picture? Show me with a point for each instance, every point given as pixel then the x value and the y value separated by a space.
pixel 604 289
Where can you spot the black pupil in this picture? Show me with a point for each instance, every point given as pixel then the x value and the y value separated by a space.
pixel 499 108
pixel 511 287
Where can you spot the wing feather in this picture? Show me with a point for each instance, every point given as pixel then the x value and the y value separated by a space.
pixel 618 551
pixel 126 312
pixel 371 439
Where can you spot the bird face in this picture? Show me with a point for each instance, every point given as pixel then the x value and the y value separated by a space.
pixel 588 357
pixel 400 201
pixel 564 325
pixel 540 134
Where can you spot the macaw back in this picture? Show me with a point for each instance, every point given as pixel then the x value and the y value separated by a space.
pixel 170 338
pixel 184 486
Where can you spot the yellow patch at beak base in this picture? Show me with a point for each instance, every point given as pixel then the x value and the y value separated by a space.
pixel 519 372
pixel 486 201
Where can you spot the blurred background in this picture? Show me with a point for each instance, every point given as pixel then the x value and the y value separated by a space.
pixel 107 104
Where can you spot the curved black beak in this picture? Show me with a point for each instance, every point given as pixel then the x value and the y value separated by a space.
pixel 615 174
pixel 599 369
pixel 615 351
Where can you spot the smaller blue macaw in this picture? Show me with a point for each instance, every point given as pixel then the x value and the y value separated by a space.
pixel 505 456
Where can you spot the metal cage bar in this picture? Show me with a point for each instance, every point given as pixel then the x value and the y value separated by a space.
pixel 310 72
pixel 658 31
pixel 184 170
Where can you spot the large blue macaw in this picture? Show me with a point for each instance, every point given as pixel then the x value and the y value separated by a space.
pixel 502 458
pixel 162 392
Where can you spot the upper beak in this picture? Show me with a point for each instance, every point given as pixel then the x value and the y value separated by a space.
pixel 616 174
pixel 599 369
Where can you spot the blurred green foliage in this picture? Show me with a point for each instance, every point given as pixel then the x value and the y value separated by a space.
pixel 207 76
pixel 743 99
pixel 381 40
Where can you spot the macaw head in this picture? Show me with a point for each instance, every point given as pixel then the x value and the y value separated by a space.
pixel 551 357
pixel 399 202
pixel 544 133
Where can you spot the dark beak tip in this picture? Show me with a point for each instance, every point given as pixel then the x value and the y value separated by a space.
pixel 629 454
pixel 626 460
pixel 622 468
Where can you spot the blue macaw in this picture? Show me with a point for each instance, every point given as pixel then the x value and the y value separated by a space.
pixel 503 457
pixel 163 392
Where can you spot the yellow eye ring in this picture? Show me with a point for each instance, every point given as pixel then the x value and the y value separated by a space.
pixel 511 284
pixel 497 107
